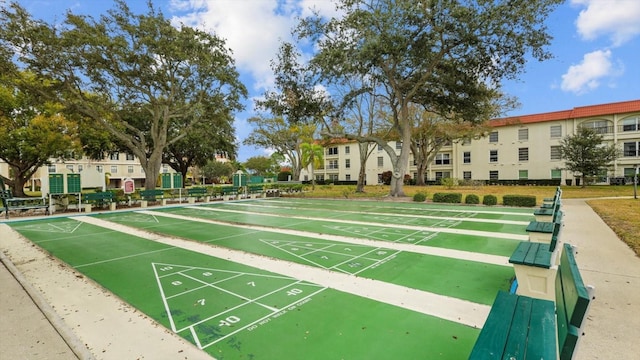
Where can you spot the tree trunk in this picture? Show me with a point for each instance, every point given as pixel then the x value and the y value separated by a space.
pixel 152 170
pixel 17 186
pixel 362 173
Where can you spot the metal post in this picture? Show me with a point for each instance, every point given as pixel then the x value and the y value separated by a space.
pixel 635 183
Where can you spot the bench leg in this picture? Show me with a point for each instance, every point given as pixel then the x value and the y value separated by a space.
pixel 535 282
pixel 144 203
pixel 87 208
pixel 112 206
pixel 539 237
pixel 192 200
pixel 164 202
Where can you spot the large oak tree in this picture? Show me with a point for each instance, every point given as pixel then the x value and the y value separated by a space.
pixel 447 56
pixel 125 63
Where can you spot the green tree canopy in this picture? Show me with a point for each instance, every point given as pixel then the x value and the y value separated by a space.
pixel 32 130
pixel 448 56
pixel 586 154
pixel 260 165
pixel 125 62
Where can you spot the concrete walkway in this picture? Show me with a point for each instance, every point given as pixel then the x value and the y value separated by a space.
pixel 611 332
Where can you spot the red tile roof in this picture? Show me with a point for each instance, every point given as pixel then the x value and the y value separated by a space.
pixel 575 113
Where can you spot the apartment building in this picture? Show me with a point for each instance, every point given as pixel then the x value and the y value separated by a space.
pixel 522 147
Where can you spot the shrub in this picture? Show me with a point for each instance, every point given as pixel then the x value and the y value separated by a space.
pixel 472 199
pixel 490 200
pixel 519 200
pixel 452 198
pixel 449 183
pixel 419 197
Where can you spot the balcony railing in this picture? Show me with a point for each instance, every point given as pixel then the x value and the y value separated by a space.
pixel 628 128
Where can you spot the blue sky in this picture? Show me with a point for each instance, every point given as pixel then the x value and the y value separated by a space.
pixel 596 47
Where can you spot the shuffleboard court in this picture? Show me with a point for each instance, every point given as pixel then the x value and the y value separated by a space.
pixel 452 222
pixel 265 279
pixel 476 281
pixel 473 241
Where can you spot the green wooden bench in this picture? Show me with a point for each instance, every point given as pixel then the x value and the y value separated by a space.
pixel 542 231
pixel 153 195
pixel 229 191
pixel 255 190
pixel 555 197
pixel 522 327
pixel 11 203
pixel 197 193
pixel 99 199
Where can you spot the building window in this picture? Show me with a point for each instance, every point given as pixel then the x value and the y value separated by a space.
pixel 130 169
pixel 99 168
pixel 556 174
pixel 631 124
pixel 523 134
pixel 70 168
pixel 114 169
pixel 466 157
pixel 379 147
pixel 493 137
pixel 380 161
pixel 80 167
pixel 630 173
pixel 523 174
pixel 114 156
pixel 442 175
pixel 347 177
pixel 347 150
pixel 630 149
pixel 556 152
pixel 466 175
pixel 347 163
pixel 165 168
pixel 333 165
pixel 556 131
pixel 333 177
pixel 493 156
pixel 130 156
pixel 398 145
pixel 493 175
pixel 442 159
pixel 332 151
pixel 599 126
pixel 51 168
pixel 523 154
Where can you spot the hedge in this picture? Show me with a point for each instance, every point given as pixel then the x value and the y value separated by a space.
pixel 472 199
pixel 519 200
pixel 453 198
pixel 490 200
pixel 419 197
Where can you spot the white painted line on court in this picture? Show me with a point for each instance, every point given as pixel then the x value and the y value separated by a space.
pixel 412 216
pixel 419 249
pixel 444 307
pixel 387 225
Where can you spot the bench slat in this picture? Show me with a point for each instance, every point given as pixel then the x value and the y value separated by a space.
pixel 542 329
pixel 532 254
pixel 516 346
pixel 491 340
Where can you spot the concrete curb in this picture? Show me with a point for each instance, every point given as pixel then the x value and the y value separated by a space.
pixel 56 321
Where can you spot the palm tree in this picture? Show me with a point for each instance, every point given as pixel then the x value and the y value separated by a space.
pixel 312 154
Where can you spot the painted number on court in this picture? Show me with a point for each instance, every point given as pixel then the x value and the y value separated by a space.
pixel 251 283
pixel 294 292
pixel 166 268
pixel 230 320
pixel 201 301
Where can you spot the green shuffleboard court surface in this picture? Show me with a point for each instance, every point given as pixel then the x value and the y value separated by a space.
pixel 235 310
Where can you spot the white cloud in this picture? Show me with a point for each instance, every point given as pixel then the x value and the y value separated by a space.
pixel 253 29
pixel 618 19
pixel 595 67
